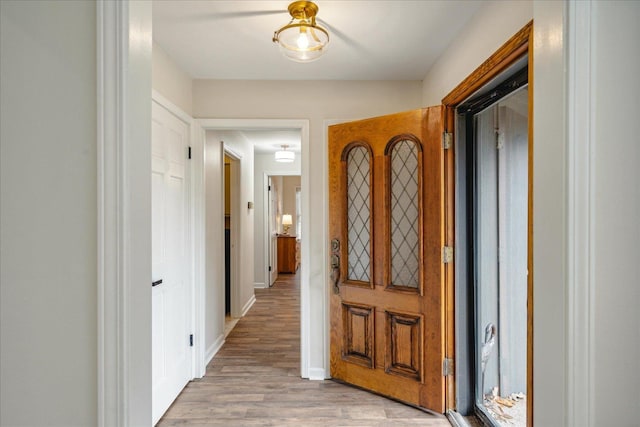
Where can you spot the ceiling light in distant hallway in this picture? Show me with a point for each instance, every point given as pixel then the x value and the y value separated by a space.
pixel 285 156
pixel 302 40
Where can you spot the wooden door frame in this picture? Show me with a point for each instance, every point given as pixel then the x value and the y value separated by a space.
pixel 517 46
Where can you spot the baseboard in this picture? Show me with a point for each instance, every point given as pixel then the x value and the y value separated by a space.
pixel 248 305
pixel 214 348
pixel 259 285
pixel 317 374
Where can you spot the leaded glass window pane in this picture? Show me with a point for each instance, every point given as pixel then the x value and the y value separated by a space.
pixel 358 214
pixel 405 250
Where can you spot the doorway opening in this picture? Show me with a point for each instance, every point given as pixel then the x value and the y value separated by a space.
pixel 248 206
pixel 284 217
pixel 230 193
pixel 492 172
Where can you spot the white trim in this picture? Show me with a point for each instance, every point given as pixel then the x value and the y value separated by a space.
pixel 580 215
pixel 248 305
pixel 171 107
pixel 266 227
pixel 303 125
pixel 235 203
pixel 112 64
pixel 259 285
pixel 214 348
pixel 199 242
pixel 231 152
pixel 124 203
pixel 317 374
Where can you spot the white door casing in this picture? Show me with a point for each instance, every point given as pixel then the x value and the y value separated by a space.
pixel 273 233
pixel 171 295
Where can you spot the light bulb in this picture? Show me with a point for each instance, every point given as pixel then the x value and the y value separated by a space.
pixel 303 41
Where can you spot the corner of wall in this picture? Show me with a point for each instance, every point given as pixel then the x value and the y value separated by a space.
pixel 213 349
pixel 170 80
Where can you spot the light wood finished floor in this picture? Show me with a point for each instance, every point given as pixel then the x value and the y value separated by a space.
pixel 254 380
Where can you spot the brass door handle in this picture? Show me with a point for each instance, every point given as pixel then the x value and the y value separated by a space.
pixel 335 272
pixel 335 265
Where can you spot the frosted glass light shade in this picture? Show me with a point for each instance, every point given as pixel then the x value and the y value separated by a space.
pixel 285 156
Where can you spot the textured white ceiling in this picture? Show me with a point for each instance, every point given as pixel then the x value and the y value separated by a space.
pixel 370 40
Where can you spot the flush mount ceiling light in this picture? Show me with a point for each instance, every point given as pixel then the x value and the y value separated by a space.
pixel 301 40
pixel 285 156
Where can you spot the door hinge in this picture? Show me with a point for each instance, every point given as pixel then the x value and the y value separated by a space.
pixel 447 254
pixel 269 268
pixel 499 140
pixel 269 189
pixel 447 139
pixel 189 153
pixel 191 340
pixel 447 367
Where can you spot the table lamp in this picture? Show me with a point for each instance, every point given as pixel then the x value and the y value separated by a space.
pixel 286 223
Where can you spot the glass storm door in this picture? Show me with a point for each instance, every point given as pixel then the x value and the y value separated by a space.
pixel 386 231
pixel 501 239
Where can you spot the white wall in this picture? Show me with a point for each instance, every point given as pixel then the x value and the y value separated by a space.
pixel 170 81
pixel 289 185
pixel 491 26
pixel 265 164
pixel 48 344
pixel 322 100
pixel 616 210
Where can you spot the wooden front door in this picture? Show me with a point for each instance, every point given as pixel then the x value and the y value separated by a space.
pixel 386 210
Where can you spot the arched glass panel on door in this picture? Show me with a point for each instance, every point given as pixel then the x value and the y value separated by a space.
pixel 358 233
pixel 405 184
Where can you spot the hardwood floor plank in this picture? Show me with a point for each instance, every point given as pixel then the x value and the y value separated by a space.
pixel 254 380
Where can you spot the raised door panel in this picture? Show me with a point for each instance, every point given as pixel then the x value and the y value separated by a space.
pixel 403 341
pixel 358 346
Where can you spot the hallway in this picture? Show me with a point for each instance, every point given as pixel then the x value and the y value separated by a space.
pixel 254 380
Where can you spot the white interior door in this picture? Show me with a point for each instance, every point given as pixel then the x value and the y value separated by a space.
pixel 171 357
